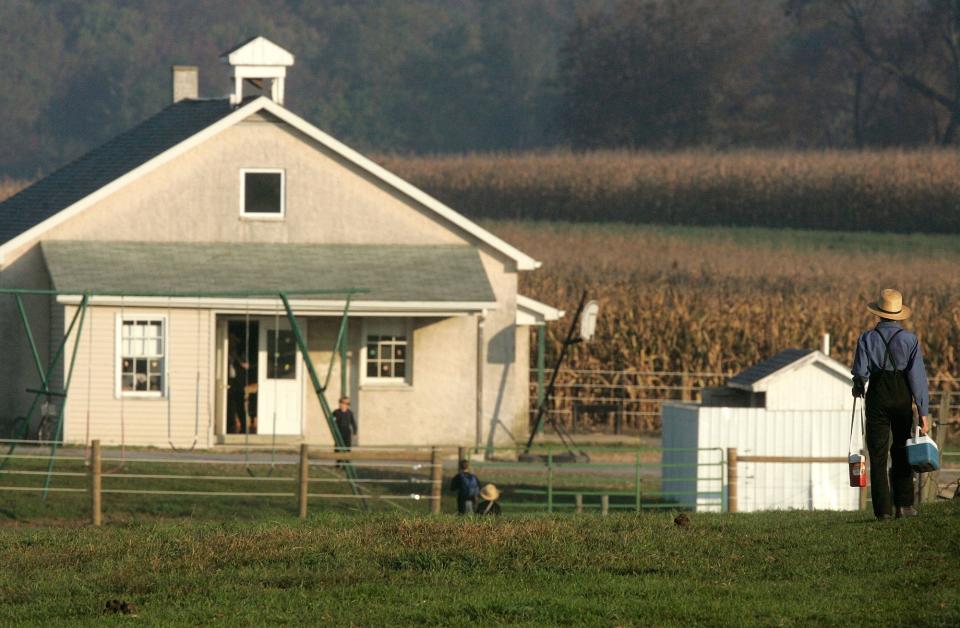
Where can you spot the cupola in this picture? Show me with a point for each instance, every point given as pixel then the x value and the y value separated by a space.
pixel 258 60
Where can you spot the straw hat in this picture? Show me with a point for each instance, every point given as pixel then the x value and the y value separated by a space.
pixel 490 493
pixel 890 305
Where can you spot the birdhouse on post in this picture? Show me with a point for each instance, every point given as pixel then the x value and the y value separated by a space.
pixel 257 61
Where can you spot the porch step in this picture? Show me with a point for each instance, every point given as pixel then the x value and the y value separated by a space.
pixel 258 439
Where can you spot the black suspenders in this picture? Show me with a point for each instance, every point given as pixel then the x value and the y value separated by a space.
pixel 886 353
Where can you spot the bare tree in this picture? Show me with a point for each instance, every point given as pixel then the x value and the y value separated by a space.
pixel 915 43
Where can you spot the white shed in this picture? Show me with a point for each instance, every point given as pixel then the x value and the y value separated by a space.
pixel 796 403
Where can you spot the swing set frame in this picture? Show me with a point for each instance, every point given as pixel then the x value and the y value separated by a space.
pixel 75 329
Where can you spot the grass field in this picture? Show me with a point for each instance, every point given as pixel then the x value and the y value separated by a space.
pixel 763 569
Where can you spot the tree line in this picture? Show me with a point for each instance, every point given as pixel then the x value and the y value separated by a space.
pixel 433 76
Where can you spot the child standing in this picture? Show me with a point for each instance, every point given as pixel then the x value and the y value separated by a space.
pixel 467 487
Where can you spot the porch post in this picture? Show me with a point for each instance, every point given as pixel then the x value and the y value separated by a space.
pixel 541 358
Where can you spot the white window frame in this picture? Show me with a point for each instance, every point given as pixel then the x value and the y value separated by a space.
pixel 118 356
pixel 370 326
pixel 243 194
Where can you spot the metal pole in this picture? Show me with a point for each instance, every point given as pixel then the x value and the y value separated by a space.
pixel 549 480
pixel 637 482
pixel 29 332
pixel 66 388
pixel 481 321
pixel 304 485
pixel 96 481
pixel 344 341
pixel 556 370
pixel 541 359
pixel 732 479
pixel 351 472
pixel 436 480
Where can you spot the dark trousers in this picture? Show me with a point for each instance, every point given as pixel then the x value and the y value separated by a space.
pixel 236 409
pixel 889 421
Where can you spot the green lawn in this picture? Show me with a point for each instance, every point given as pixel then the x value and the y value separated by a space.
pixel 788 568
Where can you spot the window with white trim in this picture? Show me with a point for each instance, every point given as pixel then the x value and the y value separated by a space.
pixel 262 193
pixel 387 354
pixel 142 352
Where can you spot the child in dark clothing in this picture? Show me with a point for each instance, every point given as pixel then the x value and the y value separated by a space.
pixel 467 487
pixel 489 506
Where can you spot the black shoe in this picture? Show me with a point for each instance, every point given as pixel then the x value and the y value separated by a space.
pixel 906 511
pixel 883 517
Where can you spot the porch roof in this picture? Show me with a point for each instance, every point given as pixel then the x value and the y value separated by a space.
pixel 387 273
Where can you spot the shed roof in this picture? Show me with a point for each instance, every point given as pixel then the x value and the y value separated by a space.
pixel 396 273
pixel 757 376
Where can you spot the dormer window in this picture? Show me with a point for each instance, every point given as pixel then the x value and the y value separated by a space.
pixel 262 194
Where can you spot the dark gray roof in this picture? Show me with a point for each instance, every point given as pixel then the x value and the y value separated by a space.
pixel 769 366
pixel 107 163
pixel 448 273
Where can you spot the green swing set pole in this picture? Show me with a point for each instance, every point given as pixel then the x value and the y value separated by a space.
pixel 29 332
pixel 318 389
pixel 340 349
pixel 44 382
pixel 58 434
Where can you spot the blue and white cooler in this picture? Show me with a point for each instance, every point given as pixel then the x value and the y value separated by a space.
pixel 922 453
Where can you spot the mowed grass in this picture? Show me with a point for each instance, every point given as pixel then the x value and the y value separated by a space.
pixel 784 568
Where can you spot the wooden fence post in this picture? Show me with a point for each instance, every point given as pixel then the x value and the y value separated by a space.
pixel 461 454
pixel 731 479
pixel 303 487
pixel 96 480
pixel 436 480
pixel 578 502
pixel 931 487
pixel 604 505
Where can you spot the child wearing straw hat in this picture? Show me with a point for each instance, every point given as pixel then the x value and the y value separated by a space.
pixel 489 506
pixel 890 359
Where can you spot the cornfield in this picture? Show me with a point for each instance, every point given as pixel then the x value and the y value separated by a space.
pixel 899 191
pixel 707 301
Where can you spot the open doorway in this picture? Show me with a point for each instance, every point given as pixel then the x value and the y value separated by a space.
pixel 243 376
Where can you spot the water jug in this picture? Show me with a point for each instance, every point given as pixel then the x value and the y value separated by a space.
pixel 858 470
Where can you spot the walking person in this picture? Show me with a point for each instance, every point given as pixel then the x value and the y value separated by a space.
pixel 890 359
pixel 467 487
pixel 346 425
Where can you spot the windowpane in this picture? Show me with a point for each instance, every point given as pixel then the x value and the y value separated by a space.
pixel 262 193
pixel 386 353
pixel 142 354
pixel 281 354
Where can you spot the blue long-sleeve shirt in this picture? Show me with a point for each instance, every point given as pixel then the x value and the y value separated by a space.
pixel 905 355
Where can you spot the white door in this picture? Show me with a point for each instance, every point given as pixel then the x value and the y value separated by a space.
pixel 280 392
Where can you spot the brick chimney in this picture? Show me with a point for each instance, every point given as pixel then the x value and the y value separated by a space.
pixel 186 79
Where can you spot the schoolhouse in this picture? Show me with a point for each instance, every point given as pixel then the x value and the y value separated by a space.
pixel 173 239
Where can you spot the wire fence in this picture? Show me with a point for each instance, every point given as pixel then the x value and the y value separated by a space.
pixel 631 401
pixel 259 483
pixel 77 482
